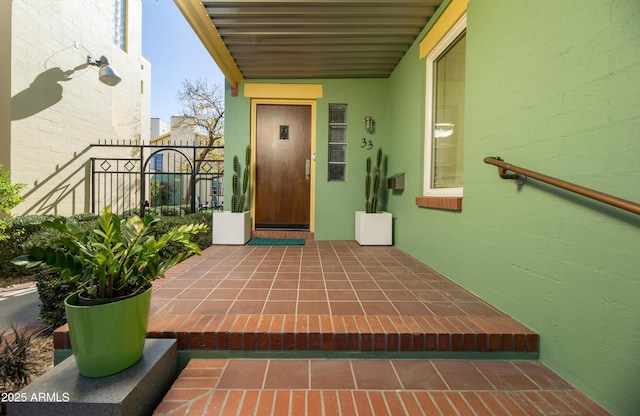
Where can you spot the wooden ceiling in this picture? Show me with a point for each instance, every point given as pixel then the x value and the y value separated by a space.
pixel 317 39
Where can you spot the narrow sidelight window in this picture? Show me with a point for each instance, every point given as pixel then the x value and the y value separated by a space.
pixel 337 142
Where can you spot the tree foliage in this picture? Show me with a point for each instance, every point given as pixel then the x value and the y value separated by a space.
pixel 9 193
pixel 9 198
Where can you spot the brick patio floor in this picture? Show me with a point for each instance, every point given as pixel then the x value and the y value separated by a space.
pixel 361 326
pixel 326 295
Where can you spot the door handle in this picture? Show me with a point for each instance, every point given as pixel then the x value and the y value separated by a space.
pixel 307 168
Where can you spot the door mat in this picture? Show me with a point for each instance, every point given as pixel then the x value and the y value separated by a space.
pixel 276 242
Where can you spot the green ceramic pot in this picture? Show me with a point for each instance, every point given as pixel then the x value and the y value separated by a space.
pixel 108 338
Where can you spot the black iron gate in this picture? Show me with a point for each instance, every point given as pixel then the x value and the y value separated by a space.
pixel 158 179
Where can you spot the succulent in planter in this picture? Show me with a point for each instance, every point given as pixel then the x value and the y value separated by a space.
pixel 118 258
pixel 234 227
pixel 373 227
pixel 371 195
pixel 238 195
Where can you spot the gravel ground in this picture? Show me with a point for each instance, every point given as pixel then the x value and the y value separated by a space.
pixel 40 355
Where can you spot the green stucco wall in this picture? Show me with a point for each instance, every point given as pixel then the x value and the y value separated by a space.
pixel 553 87
pixel 237 134
pixel 336 202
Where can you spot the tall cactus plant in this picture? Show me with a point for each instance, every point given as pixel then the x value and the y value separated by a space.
pixel 371 195
pixel 239 195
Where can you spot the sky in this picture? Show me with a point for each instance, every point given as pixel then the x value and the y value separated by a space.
pixel 175 53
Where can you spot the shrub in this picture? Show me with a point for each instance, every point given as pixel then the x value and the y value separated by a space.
pixel 24 233
pixel 9 198
pixel 86 217
pixel 202 239
pixel 9 193
pixel 170 211
pixel 13 359
pixel 52 290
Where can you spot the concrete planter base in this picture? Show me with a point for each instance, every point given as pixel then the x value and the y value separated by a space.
pixel 231 228
pixel 136 391
pixel 374 229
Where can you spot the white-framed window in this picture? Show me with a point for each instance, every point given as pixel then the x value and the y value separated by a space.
pixel 444 135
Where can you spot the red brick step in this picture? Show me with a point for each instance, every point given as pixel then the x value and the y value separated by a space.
pixel 412 387
pixel 363 333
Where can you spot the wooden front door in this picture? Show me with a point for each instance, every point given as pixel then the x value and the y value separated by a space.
pixel 283 166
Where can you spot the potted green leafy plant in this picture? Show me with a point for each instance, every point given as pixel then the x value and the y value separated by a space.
pixel 373 227
pixel 234 227
pixel 114 265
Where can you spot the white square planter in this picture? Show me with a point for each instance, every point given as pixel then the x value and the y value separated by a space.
pixel 374 229
pixel 232 228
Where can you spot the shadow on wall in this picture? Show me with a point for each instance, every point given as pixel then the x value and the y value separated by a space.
pixel 62 184
pixel 44 196
pixel 44 92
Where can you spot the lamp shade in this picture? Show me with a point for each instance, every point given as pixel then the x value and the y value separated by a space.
pixel 108 75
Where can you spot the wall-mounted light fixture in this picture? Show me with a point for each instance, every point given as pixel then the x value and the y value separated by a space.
pixel 443 130
pixel 107 75
pixel 369 124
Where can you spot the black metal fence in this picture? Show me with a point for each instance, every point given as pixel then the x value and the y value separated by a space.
pixel 160 179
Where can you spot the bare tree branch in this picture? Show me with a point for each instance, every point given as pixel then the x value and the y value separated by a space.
pixel 202 108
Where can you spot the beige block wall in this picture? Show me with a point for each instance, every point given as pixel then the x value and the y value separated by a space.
pixel 59 108
pixel 5 84
pixel 145 111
